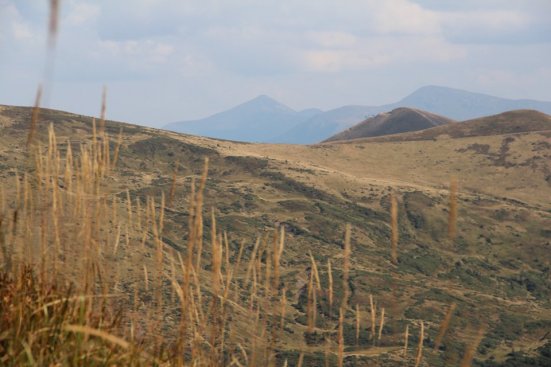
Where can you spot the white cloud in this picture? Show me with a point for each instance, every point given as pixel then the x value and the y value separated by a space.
pixel 81 13
pixel 380 52
pixel 495 20
pixel 193 65
pixel 21 31
pixel 485 26
pixel 339 60
pixel 404 17
pixel 12 23
pixel 136 52
pixel 332 39
pixel 237 33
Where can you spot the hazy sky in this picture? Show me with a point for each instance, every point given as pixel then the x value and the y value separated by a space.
pixel 167 60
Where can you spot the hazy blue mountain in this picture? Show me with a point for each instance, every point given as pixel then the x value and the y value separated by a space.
pixel 452 103
pixel 258 120
pixel 462 105
pixel 326 124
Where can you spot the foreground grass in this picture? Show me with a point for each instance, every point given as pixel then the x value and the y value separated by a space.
pixel 64 240
pixel 46 324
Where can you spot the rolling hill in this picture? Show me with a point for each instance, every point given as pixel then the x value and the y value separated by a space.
pixel 510 122
pixel 400 120
pixel 496 270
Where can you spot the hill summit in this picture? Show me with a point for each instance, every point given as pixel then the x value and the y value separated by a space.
pixel 399 120
pixel 510 122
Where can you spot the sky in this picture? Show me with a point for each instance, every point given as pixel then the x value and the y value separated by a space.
pixel 171 60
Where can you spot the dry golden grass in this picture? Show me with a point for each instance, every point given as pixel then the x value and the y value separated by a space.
pixel 341 338
pixel 381 324
pixel 373 312
pixel 358 323
pixel 419 354
pixel 471 349
pixel 444 326
pixel 452 219
pixel 53 22
pixel 425 165
pixel 34 118
pixel 394 229
pixel 406 340
pixel 330 286
pixel 346 267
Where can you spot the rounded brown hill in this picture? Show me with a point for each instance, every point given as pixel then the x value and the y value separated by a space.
pixel 399 120
pixel 511 122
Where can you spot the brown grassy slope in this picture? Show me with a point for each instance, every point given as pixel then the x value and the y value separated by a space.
pixel 397 121
pixel 511 122
pixel 495 271
pixel 505 156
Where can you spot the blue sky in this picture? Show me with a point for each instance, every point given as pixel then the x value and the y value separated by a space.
pixel 167 60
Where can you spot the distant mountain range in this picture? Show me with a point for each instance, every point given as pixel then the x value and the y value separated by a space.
pixel 258 120
pixel 265 120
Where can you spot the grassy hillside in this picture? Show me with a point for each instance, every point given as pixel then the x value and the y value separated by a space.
pixel 519 121
pixel 496 270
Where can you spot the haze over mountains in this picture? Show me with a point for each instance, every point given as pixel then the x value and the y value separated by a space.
pixel 263 119
pixel 258 120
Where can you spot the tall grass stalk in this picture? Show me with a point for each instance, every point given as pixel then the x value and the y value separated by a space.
pixel 394 229
pixel 406 340
pixel 341 338
pixel 35 117
pixel 346 267
pixel 452 219
pixel 472 347
pixel 381 324
pixel 444 326
pixel 419 355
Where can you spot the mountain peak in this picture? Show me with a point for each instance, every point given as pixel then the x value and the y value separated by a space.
pixel 257 120
pixel 264 98
pixel 264 103
pixel 433 91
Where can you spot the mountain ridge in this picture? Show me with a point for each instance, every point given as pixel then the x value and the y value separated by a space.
pixel 460 104
pixel 256 120
pixel 456 104
pixel 263 119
